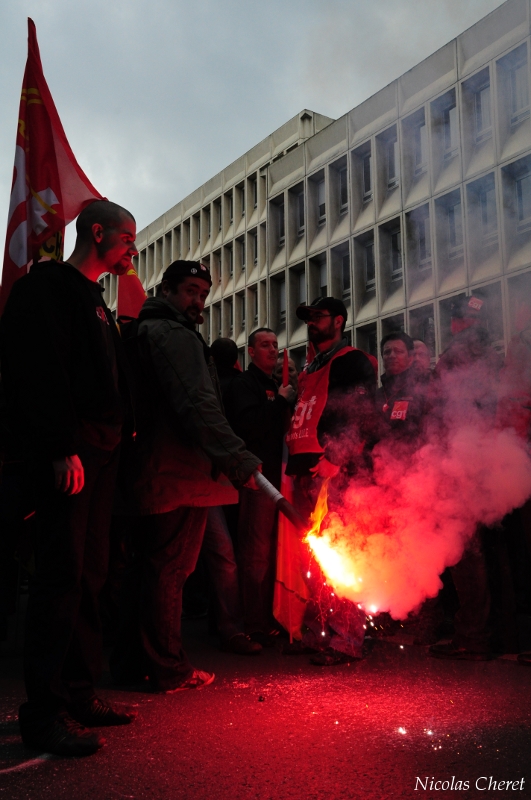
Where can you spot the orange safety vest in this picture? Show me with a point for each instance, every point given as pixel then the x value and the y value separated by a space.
pixel 313 394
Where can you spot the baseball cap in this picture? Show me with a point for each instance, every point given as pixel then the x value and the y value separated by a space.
pixel 186 269
pixel 334 307
pixel 462 307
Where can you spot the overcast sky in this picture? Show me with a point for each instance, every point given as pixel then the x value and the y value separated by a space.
pixel 157 96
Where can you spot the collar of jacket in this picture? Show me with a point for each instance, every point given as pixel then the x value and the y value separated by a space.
pixel 160 308
pixel 394 384
pixel 261 375
pixel 322 358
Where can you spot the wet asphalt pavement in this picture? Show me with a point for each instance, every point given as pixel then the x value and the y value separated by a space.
pixel 277 727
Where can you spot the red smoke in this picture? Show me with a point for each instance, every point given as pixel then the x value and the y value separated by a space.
pixel 397 533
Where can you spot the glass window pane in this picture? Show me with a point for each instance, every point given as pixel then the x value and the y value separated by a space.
pixel 301 212
pixel 343 188
pixel 367 187
pixel 302 287
pixel 523 194
pixel 370 273
pixel 519 88
pixel 483 109
pixel 345 271
pixel 455 224
pixel 321 199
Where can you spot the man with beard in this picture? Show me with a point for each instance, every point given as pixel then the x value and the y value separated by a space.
pixel 330 426
pixel 186 456
pixel 66 392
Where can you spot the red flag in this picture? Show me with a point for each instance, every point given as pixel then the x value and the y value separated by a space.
pixel 285 368
pixel 131 295
pixel 49 187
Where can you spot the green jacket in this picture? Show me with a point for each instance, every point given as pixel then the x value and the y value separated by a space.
pixel 187 454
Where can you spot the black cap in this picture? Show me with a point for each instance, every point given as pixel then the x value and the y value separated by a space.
pixel 462 307
pixel 335 307
pixel 187 269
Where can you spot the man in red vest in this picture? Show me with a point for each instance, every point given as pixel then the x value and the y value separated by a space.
pixel 329 430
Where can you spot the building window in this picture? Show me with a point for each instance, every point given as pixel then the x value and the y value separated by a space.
pixel 455 230
pixel 231 208
pixel 254 296
pixel 209 222
pixel 218 314
pixel 421 220
pixel 231 316
pixel 523 201
pixel 220 215
pixel 451 131
pixel 393 163
pixel 323 285
pixel 198 222
pixel 370 267
pixel 242 198
pixel 230 252
pixel 255 248
pixel 242 255
pixel 367 178
pixel 242 309
pixel 321 204
pixel 219 265
pixel 282 302
pixel 300 213
pixel 519 90
pixel 482 113
pixel 420 145
pixel 345 275
pixel 396 255
pixel 255 193
pixel 343 190
pixel 302 287
pixel 487 210
pixel 281 225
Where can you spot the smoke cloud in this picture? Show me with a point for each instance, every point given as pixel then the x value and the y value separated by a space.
pixel 397 532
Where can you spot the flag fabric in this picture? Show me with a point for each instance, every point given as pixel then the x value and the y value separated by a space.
pixel 49 187
pixel 130 295
pixel 291 592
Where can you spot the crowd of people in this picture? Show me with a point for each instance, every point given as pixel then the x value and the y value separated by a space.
pixel 133 450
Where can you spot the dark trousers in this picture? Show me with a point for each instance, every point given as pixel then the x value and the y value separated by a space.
pixel 167 553
pixel 218 554
pixel 472 586
pixel 62 654
pixel 257 547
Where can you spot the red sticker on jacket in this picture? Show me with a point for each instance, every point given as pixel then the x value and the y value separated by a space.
pixel 270 394
pixel 399 409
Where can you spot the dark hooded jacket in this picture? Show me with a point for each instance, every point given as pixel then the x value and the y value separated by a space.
pixel 187 453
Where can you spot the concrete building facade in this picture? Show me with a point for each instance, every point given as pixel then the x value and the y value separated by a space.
pixel 421 193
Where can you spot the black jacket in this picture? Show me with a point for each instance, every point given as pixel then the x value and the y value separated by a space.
pixel 259 415
pixel 63 371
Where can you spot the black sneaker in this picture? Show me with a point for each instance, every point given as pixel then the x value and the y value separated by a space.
pixel 95 713
pixel 60 735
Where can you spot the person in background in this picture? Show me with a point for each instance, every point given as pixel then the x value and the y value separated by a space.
pixel 259 411
pixel 421 357
pixel 466 380
pixel 292 372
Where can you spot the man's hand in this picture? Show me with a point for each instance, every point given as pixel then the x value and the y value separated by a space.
pixel 288 393
pixel 324 469
pixel 69 474
pixel 250 483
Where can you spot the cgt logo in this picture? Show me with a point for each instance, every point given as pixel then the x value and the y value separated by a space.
pixel 303 412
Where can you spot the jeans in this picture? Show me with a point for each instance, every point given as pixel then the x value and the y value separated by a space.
pixel 218 554
pixel 167 554
pixel 62 652
pixel 257 544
